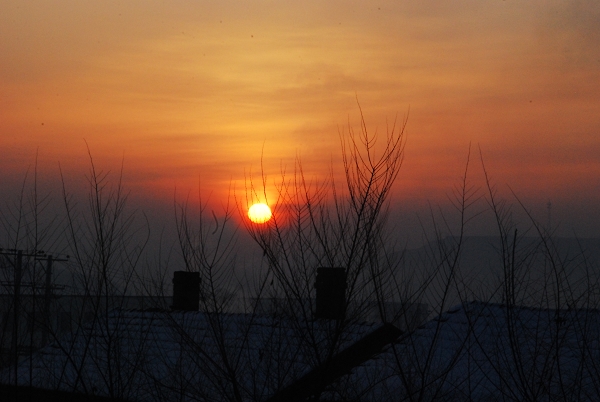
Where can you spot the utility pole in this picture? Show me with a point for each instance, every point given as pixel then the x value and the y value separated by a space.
pixel 17 285
pixel 48 296
pixel 47 300
pixel 16 307
pixel 549 207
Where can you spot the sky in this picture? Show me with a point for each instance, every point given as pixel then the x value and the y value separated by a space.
pixel 188 94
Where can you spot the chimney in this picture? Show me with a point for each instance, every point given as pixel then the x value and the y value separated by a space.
pixel 186 291
pixel 331 293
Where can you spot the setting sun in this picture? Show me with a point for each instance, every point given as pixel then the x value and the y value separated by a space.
pixel 259 213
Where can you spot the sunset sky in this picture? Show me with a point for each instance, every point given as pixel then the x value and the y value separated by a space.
pixel 196 91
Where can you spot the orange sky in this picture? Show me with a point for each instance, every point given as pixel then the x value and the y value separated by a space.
pixel 198 90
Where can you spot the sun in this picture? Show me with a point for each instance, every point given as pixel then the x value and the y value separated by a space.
pixel 259 213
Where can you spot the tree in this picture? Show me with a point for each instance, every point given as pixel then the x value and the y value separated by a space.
pixel 531 335
pixel 314 225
